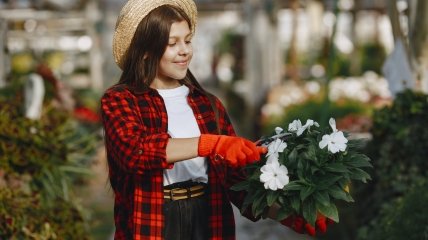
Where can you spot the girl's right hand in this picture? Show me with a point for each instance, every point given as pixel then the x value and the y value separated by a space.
pixel 236 151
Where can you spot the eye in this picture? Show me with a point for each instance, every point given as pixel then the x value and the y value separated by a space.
pixel 172 44
pixel 188 42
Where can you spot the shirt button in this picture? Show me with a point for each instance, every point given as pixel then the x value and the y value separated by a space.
pixel 199 117
pixel 140 152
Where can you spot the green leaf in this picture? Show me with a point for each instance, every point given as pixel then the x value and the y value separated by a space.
pixel 293 186
pixel 349 197
pixel 256 175
pixel 283 213
pixel 339 193
pixel 300 146
pixel 295 203
pixel 258 206
pixel 359 174
pixel 314 169
pixel 359 161
pixel 306 191
pixel 336 167
pixel 311 153
pixel 271 197
pixel 244 185
pixel 309 212
pixel 329 211
pixel 249 199
pixel 327 181
pixel 293 156
pixel 322 197
pixel 72 169
pixel 300 166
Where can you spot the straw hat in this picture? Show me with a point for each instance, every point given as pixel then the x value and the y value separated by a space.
pixel 131 15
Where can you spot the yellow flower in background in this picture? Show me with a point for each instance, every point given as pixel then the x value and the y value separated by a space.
pixel 55 60
pixel 22 63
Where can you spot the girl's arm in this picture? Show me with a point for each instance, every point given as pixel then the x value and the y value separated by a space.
pixel 179 149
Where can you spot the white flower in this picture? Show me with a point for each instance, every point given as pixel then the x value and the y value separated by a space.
pixel 332 123
pixel 336 142
pixel 274 176
pixel 309 123
pixel 278 130
pixel 295 125
pixel 275 147
pixel 272 158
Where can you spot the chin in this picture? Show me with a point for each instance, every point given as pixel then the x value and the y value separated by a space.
pixel 180 76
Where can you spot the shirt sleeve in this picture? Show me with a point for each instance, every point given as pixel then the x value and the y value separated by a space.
pixel 234 175
pixel 127 141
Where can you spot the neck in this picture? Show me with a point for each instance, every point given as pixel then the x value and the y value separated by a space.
pixel 157 84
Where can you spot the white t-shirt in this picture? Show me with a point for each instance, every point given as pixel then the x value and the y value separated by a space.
pixel 182 124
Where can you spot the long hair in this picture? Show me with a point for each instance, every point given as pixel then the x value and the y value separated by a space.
pixel 148 46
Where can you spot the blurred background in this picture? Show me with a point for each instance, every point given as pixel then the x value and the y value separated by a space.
pixel 363 62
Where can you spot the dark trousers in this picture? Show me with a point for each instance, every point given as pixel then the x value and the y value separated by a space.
pixel 186 219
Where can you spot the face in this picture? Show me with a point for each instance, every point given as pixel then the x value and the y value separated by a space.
pixel 175 61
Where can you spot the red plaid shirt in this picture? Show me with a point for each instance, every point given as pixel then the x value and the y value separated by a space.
pixel 136 136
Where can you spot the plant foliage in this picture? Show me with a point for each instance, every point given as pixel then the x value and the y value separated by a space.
pixel 40 163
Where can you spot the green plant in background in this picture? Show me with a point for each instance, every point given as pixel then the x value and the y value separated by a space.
pixel 23 216
pixel 403 218
pixel 399 153
pixel 372 57
pixel 40 163
pixel 48 149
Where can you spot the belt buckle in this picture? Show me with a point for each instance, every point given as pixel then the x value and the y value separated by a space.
pixel 171 195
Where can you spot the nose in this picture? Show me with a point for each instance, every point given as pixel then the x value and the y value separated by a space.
pixel 185 48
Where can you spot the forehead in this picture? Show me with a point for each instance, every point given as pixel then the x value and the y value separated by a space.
pixel 179 29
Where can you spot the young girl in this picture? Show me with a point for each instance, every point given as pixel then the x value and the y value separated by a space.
pixel 171 148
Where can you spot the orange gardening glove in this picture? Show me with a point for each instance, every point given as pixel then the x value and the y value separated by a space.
pixel 236 151
pixel 299 224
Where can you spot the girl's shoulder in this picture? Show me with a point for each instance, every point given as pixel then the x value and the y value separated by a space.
pixel 117 88
pixel 116 93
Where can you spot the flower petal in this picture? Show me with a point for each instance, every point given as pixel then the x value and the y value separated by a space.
pixel 324 142
pixel 273 186
pixel 333 148
pixel 300 131
pixel 272 158
pixel 266 185
pixel 266 177
pixel 332 123
pixel 295 125
pixel 284 179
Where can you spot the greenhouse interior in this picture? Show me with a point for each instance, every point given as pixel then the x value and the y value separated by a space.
pixel 363 63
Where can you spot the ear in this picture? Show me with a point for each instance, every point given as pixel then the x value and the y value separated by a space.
pixel 146 55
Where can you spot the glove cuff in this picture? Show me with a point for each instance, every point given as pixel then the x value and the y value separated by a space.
pixel 206 144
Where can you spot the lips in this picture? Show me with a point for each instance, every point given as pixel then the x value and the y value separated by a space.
pixel 182 63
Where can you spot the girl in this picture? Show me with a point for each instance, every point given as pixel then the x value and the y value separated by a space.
pixel 171 148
